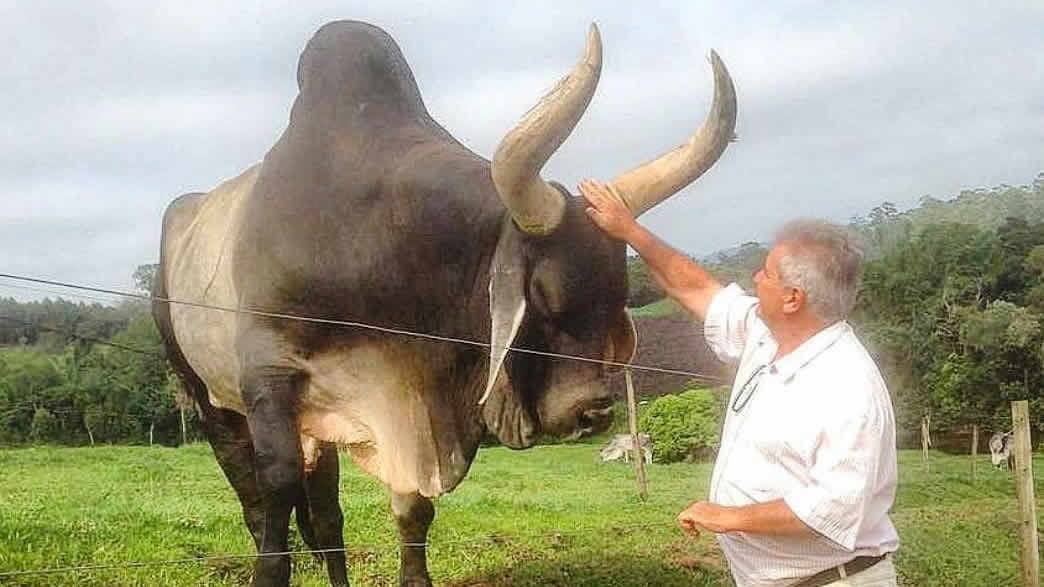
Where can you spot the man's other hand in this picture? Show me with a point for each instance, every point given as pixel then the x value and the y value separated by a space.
pixel 707 516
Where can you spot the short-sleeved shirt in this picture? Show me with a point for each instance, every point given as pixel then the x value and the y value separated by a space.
pixel 817 431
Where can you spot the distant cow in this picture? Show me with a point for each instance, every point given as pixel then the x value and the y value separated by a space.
pixel 1001 445
pixel 622 446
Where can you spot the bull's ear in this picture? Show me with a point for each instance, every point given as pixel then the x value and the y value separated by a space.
pixel 507 304
pixel 623 338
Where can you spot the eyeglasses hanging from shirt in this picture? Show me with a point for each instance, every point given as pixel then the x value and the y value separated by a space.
pixel 743 396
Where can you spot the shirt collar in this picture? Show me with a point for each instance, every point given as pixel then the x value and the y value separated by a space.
pixel 788 365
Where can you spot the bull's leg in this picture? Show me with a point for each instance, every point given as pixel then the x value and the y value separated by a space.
pixel 326 518
pixel 303 514
pixel 414 513
pixel 269 393
pixel 226 431
pixel 229 437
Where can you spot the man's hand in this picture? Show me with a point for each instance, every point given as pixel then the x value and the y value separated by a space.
pixel 773 518
pixel 682 279
pixel 706 515
pixel 607 209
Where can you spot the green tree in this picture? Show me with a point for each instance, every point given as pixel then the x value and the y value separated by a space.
pixel 642 286
pixel 144 276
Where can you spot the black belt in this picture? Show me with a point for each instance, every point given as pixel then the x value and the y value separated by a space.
pixel 859 563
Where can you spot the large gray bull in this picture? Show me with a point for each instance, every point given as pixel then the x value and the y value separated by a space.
pixel 367 210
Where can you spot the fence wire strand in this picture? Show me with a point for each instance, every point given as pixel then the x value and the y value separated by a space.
pixel 361 325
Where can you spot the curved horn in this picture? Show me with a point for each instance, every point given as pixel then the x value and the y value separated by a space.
pixel 653 182
pixel 536 206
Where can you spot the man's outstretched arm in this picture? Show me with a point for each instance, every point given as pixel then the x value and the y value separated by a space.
pixel 683 280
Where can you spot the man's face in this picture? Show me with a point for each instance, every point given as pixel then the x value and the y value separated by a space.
pixel 768 285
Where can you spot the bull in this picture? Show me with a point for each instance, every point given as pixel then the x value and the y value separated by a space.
pixel 1001 449
pixel 367 210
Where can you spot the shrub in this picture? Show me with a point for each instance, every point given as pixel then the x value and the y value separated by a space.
pixel 43 425
pixel 683 427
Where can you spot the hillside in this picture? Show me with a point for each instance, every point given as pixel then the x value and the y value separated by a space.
pixel 672 341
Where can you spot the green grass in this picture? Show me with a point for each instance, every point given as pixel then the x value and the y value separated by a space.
pixel 551 515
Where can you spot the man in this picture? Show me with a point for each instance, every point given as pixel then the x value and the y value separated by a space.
pixel 806 470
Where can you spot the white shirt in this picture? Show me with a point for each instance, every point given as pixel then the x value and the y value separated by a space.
pixel 818 432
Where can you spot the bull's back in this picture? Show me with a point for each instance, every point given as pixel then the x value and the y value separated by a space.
pixel 198 235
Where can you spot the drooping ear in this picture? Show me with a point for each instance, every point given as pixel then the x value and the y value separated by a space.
pixel 507 303
pixel 623 338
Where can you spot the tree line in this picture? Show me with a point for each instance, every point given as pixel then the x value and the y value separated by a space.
pixel 75 373
pixel 952 307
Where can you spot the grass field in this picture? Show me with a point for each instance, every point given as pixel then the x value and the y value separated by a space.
pixel 551 515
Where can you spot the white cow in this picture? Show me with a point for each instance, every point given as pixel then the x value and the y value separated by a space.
pixel 622 446
pixel 1001 445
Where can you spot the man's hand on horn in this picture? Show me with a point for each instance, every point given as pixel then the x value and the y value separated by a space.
pixel 607 209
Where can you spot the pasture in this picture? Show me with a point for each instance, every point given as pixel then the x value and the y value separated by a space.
pixel 551 515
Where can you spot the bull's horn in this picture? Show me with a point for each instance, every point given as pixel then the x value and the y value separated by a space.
pixel 653 182
pixel 536 206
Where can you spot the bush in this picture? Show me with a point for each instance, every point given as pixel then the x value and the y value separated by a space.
pixel 683 427
pixel 43 425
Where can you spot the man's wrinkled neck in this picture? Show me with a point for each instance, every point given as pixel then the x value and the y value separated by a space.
pixel 794 331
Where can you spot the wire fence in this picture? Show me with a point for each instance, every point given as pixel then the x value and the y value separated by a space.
pixel 497 539
pixel 361 325
pixel 312 552
pixel 116 294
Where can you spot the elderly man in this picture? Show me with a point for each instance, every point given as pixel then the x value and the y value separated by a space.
pixel 806 470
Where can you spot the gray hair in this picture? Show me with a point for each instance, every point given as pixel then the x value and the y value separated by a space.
pixel 824 260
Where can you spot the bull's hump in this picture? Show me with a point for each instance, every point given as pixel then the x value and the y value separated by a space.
pixel 356 62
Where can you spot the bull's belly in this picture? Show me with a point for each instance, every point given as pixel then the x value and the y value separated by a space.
pixel 369 400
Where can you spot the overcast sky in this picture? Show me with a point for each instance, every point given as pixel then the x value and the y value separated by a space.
pixel 110 110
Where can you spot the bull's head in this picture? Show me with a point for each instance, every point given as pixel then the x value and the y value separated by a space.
pixel 558 284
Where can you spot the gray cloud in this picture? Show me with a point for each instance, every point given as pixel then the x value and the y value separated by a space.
pixel 112 109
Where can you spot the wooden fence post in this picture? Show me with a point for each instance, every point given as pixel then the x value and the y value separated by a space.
pixel 975 450
pixel 632 422
pixel 1024 489
pixel 926 441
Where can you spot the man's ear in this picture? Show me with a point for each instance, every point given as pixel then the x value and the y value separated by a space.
pixel 793 300
pixel 507 303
